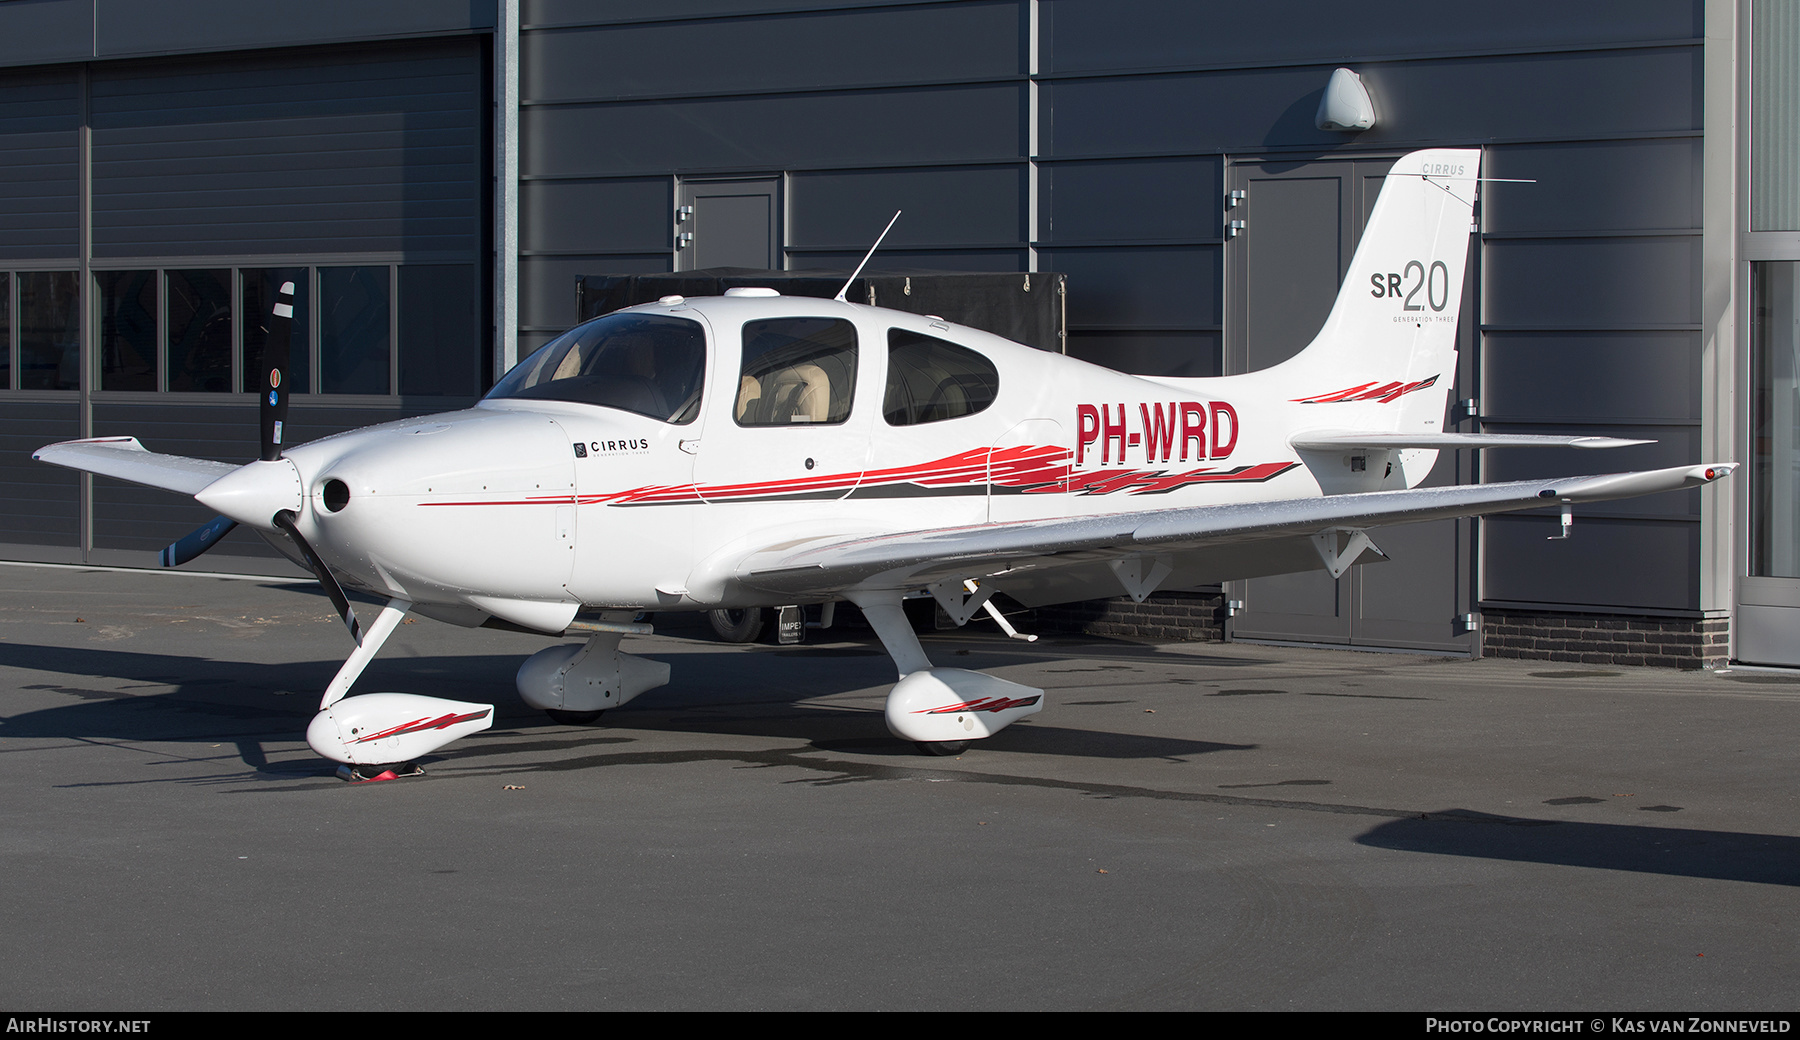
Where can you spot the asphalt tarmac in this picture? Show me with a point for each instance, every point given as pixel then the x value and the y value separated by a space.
pixel 1190 826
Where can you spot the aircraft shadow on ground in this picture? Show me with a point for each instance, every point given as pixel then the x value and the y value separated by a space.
pixel 248 704
pixel 1769 859
pixel 754 694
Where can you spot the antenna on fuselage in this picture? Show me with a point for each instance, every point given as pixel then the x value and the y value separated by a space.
pixel 865 260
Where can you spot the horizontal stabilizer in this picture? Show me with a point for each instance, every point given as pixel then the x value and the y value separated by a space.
pixel 126 459
pixel 1346 440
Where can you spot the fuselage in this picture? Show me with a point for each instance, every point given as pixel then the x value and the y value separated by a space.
pixel 812 417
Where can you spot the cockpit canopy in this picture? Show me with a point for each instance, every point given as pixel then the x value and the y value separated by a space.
pixel 647 364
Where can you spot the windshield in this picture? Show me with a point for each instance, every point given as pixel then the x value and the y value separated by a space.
pixel 643 363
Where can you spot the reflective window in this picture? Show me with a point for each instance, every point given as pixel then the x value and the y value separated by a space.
pixel 354 340
pixel 49 331
pixel 1774 116
pixel 379 329
pixel 643 363
pixel 127 304
pixel 796 370
pixel 930 380
pixel 437 329
pixel 1775 420
pixel 259 289
pixel 6 362
pixel 199 348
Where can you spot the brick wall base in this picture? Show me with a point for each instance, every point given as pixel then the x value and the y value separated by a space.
pixel 1660 642
pixel 1199 617
pixel 1166 617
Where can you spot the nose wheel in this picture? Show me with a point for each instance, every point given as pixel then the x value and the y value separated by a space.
pixel 375 774
pixel 573 718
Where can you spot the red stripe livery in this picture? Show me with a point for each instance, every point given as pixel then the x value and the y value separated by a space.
pixel 1386 393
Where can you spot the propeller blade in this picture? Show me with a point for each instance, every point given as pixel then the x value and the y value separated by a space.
pixel 275 371
pixel 285 520
pixel 200 540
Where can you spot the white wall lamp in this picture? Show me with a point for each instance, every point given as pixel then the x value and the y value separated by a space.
pixel 1346 104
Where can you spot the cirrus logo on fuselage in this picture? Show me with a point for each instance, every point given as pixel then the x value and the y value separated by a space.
pixel 627 446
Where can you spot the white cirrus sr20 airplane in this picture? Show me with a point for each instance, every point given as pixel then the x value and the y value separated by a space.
pixel 756 450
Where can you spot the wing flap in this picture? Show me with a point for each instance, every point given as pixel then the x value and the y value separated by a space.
pixel 125 459
pixel 1192 537
pixel 1350 440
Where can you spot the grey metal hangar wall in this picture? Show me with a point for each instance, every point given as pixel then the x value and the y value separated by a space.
pixel 226 147
pixel 189 187
pixel 1100 138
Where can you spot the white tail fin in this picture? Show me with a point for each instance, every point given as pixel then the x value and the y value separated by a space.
pixel 1391 336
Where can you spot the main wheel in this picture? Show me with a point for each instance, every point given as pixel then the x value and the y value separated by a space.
pixel 737 626
pixel 574 718
pixel 942 747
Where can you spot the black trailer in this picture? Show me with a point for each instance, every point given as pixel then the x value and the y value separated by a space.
pixel 1026 308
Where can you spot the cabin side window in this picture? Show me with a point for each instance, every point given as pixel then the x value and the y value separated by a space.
pixel 931 380
pixel 797 371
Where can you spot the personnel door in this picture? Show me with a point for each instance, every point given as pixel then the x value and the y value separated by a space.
pixel 728 223
pixel 1284 269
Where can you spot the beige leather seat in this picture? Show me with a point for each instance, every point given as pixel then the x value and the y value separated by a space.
pixel 749 393
pixel 798 394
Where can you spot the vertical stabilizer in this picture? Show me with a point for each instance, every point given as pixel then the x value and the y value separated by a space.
pixel 1391 336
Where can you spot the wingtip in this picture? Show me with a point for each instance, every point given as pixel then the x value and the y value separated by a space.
pixel 123 443
pixel 1607 442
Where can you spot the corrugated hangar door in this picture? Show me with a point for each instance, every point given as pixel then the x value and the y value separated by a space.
pixel 1301 223
pixel 40 116
pixel 357 171
pixel 303 153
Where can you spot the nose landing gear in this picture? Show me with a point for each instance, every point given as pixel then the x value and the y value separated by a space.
pixel 374 732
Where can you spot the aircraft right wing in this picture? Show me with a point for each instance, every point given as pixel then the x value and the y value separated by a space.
pixel 1353 440
pixel 1039 562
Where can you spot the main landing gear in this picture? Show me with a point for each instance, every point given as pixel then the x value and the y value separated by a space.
pixel 737 626
pixel 940 709
pixel 574 684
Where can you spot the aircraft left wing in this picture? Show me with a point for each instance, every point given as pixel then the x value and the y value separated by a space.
pixel 1050 561
pixel 126 459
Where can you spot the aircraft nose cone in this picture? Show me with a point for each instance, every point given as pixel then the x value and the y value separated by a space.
pixel 255 493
